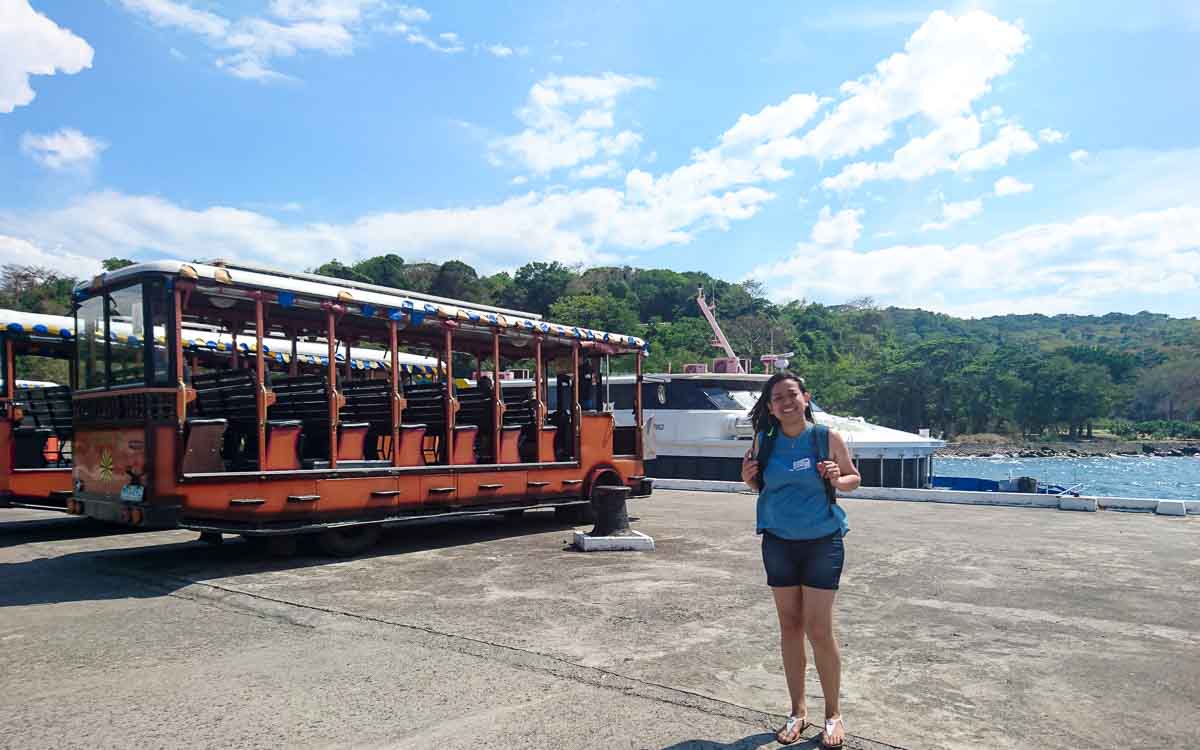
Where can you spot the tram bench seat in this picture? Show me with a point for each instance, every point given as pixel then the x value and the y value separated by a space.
pixel 49 409
pixel 29 447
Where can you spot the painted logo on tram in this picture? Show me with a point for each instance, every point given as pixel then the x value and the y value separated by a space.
pixel 105 460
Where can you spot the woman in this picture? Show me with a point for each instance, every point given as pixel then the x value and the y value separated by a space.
pixel 802 529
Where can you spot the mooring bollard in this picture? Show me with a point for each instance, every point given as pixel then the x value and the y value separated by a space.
pixel 612 513
pixel 612 531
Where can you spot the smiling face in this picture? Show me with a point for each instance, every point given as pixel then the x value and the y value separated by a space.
pixel 788 402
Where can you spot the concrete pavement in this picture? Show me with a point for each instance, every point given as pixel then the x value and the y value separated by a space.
pixel 962 627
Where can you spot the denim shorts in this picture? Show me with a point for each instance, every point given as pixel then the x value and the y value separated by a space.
pixel 816 563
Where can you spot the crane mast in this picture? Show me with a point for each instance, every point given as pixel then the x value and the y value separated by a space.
pixel 709 312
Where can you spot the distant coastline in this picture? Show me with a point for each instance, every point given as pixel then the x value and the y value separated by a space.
pixel 1080 449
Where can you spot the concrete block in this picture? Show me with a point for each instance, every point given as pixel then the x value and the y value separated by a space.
pixel 699 485
pixel 1087 504
pixel 635 541
pixel 1171 508
pixel 1128 504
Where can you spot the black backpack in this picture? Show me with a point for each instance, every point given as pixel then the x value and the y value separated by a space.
pixel 820 444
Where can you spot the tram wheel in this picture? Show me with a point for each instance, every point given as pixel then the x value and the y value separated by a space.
pixel 348 541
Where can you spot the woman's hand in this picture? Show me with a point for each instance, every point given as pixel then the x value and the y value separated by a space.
pixel 829 470
pixel 750 470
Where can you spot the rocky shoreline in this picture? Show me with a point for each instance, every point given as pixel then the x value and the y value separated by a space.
pixel 1090 449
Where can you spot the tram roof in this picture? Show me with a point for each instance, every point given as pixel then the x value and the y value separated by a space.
pixel 59 327
pixel 367 300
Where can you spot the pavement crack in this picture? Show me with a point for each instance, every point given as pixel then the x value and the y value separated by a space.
pixel 482 648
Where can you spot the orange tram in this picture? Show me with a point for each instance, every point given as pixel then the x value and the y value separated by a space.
pixel 35 431
pixel 261 444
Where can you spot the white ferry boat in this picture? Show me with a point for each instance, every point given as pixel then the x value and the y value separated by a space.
pixel 702 430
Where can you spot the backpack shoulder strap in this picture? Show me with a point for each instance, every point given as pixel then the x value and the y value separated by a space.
pixel 820 441
pixel 766 446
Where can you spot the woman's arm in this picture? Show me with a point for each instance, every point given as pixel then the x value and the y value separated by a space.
pixel 750 472
pixel 840 468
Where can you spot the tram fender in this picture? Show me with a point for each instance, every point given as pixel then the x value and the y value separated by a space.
pixel 596 477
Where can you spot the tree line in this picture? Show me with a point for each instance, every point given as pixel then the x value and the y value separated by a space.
pixel 909 369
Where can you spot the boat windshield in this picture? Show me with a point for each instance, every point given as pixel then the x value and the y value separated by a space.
pixel 731 399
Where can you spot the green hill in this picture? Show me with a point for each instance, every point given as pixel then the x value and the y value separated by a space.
pixel 901 367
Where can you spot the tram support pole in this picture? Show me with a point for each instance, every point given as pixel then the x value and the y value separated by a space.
pixel 637 405
pixel 451 400
pixel 539 394
pixel 398 403
pixel 497 399
pixel 576 418
pixel 260 369
pixel 331 390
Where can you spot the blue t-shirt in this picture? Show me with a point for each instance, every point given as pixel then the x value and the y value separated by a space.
pixel 794 504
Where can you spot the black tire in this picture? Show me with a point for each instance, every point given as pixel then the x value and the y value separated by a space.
pixel 347 541
pixel 212 538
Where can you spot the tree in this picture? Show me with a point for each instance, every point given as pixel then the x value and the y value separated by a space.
pixel 457 280
pixel 35 289
pixel 112 264
pixel 339 270
pixel 599 312
pixel 385 270
pixel 536 286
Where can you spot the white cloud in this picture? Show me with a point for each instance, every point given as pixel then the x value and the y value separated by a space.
pixel 840 230
pixel 25 253
pixel 920 157
pixel 595 171
pixel 953 213
pixel 172 14
pixel 1011 140
pixel 771 122
pixel 499 50
pixel 948 64
pixel 32 44
pixel 1094 264
pixel 66 148
pixel 566 120
pixel 1079 155
pixel 1011 186
pixel 519 180
pixel 177 54
pixel 1050 135
pixel 247 47
pixel 409 14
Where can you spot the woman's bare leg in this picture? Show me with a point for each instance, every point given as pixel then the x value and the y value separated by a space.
pixel 789 604
pixel 818 627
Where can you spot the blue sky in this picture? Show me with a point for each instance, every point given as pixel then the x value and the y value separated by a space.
pixel 974 158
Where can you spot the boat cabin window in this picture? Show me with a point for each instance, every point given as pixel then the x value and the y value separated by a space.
pixel 730 399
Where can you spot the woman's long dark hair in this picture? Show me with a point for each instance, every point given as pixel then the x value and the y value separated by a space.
pixel 761 416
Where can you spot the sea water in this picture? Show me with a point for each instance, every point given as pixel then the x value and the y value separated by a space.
pixel 1126 476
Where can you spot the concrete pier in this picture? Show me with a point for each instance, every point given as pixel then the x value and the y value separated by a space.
pixel 961 627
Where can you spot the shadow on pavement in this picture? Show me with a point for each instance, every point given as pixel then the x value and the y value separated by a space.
pixel 745 743
pixel 98 574
pixel 14 533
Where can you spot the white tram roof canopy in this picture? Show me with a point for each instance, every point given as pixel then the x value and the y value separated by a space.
pixel 36 325
pixel 236 280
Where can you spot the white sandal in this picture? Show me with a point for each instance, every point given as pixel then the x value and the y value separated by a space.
pixel 830 725
pixel 792 722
